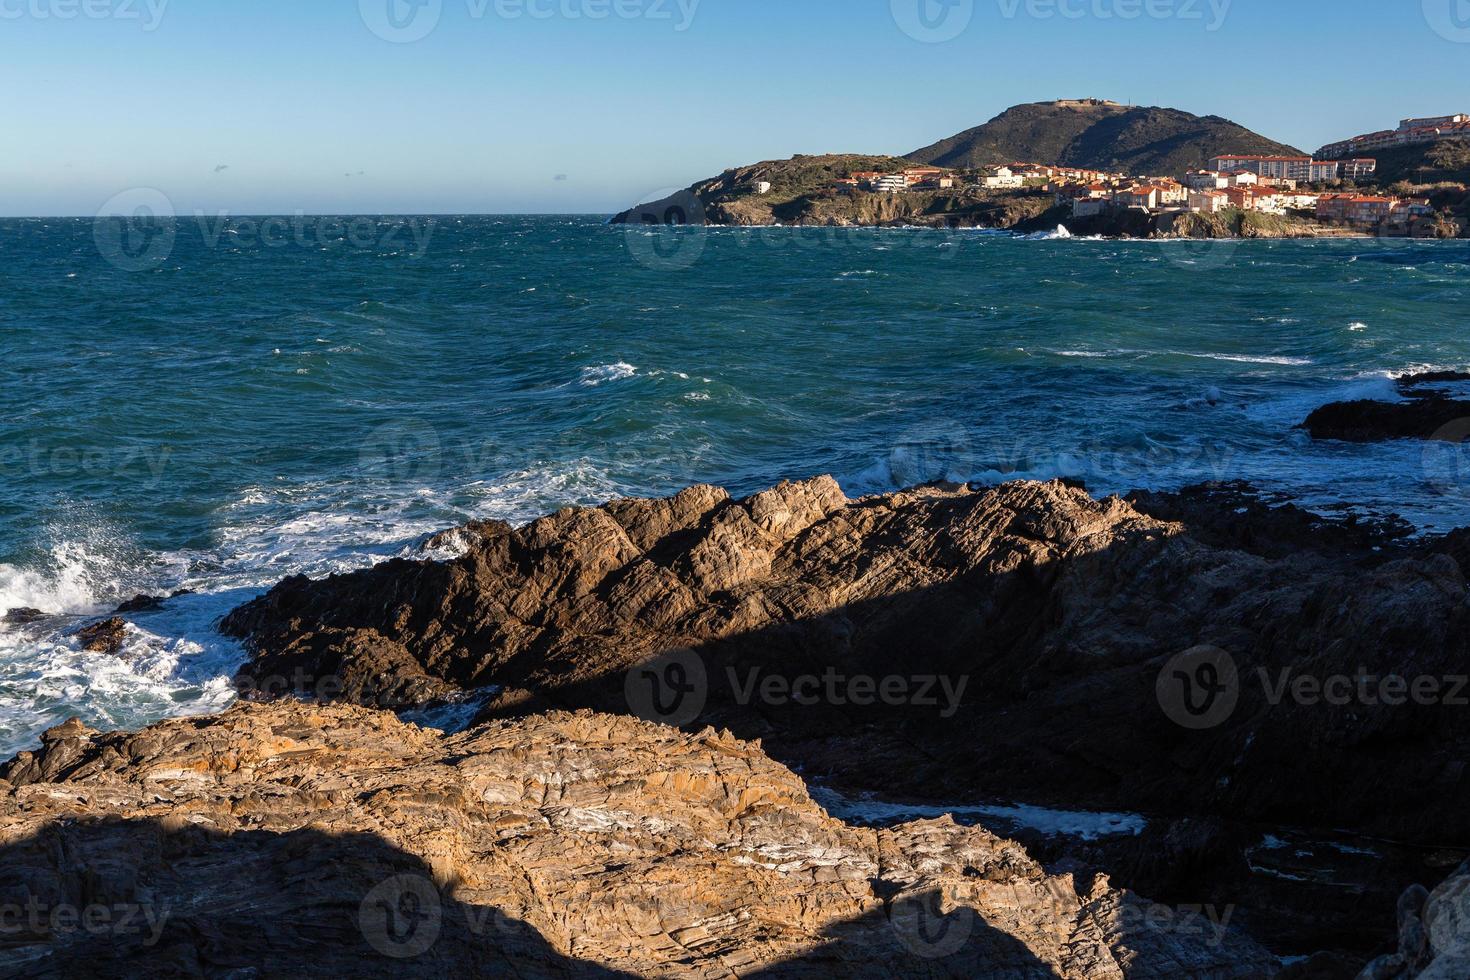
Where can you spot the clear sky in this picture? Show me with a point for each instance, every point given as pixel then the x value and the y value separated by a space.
pixel 451 106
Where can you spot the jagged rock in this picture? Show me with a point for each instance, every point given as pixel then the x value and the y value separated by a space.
pixel 23 617
pixel 1423 414
pixel 1436 417
pixel 1434 934
pixel 1052 618
pixel 108 636
pixel 1407 381
pixel 140 603
pixel 294 839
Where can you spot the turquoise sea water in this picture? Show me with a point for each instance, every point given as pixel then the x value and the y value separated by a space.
pixel 216 405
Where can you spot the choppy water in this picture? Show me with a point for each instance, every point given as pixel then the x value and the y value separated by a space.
pixel 223 405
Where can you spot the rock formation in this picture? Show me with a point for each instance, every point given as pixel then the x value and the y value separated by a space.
pixel 296 839
pixel 108 636
pixel 1216 663
pixel 1042 616
pixel 1434 934
pixel 1424 413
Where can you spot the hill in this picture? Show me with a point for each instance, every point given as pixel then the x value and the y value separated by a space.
pixel 1432 163
pixel 1099 135
pixel 802 192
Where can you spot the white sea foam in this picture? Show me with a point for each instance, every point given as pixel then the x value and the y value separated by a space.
pixel 594 376
pixel 1252 358
pixel 1060 233
pixel 1002 818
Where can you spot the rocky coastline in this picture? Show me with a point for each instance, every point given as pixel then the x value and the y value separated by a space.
pixel 952 731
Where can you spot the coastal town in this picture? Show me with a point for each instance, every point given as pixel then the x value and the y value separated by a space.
pixel 1325 187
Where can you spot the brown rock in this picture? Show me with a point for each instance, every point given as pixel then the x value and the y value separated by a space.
pixel 290 839
pixel 1050 616
pixel 108 636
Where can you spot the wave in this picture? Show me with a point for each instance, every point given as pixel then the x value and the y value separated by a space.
pixel 1251 358
pixel 594 376
pixel 1276 359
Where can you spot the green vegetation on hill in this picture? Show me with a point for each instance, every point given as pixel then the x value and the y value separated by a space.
pixel 1099 136
pixel 804 191
pixel 1432 163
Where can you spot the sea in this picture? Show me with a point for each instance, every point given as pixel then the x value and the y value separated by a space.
pixel 213 403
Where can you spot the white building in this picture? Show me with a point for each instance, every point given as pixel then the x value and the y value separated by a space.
pixel 890 184
pixel 763 187
pixel 1210 201
pixel 1206 180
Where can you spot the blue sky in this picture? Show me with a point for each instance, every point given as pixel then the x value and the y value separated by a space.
pixel 590 105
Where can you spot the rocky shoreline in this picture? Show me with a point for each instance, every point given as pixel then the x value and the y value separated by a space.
pixel 1192 734
pixel 944 647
